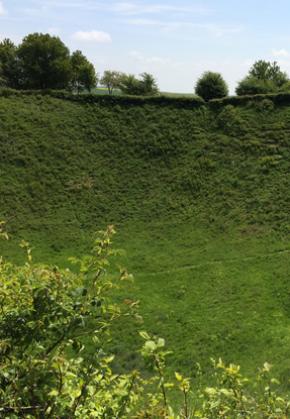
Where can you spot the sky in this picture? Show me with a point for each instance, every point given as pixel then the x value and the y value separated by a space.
pixel 175 40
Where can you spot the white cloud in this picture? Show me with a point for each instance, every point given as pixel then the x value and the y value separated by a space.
pixel 136 55
pixel 130 7
pixel 133 8
pixel 280 53
pixel 213 29
pixel 152 63
pixel 2 10
pixel 148 22
pixel 92 36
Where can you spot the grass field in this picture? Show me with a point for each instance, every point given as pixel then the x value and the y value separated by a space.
pixel 201 202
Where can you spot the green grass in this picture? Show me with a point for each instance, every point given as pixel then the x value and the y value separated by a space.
pixel 200 199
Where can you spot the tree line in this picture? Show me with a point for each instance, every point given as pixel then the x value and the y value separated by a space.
pixel 42 61
pixel 129 84
pixel 264 77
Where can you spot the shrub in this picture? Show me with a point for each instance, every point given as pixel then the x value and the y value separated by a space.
pixel 230 121
pixel 145 86
pixel 254 86
pixel 211 86
pixel 285 87
pixel 266 105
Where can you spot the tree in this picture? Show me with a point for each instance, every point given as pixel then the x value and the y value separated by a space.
pixel 144 86
pixel 9 64
pixel 264 70
pixel 112 80
pixel 45 62
pixel 263 77
pixel 83 72
pixel 3 82
pixel 130 85
pixel 211 86
pixel 148 84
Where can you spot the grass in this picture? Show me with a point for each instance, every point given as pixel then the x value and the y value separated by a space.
pixel 200 199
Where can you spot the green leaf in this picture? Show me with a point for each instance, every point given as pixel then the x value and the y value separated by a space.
pixel 144 335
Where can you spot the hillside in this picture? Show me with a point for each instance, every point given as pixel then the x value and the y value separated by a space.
pixel 200 198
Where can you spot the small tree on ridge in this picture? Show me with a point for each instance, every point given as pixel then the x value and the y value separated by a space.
pixel 211 86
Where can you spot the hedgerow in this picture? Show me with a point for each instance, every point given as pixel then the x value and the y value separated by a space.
pixel 179 102
pixel 278 99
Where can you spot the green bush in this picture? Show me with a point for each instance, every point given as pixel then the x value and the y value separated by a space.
pixel 285 87
pixel 278 98
pixel 230 121
pixel 253 86
pixel 266 105
pixel 211 86
pixel 145 86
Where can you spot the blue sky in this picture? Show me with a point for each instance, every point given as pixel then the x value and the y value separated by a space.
pixel 176 40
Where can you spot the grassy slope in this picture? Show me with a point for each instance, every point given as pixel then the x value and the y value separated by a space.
pixel 201 202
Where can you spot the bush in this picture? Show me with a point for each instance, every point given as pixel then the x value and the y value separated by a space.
pixel 285 87
pixel 211 86
pixel 276 98
pixel 266 105
pixel 230 121
pixel 254 86
pixel 145 86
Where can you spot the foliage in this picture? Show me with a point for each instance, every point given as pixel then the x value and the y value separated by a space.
pixel 202 209
pixel 45 62
pixel 3 82
pixel 264 77
pixel 285 87
pixel 53 327
pixel 129 84
pixel 145 86
pixel 83 73
pixel 263 70
pixel 231 121
pixel 54 330
pixel 9 64
pixel 279 99
pixel 112 80
pixel 148 84
pixel 211 86
pixel 253 86
pixel 238 397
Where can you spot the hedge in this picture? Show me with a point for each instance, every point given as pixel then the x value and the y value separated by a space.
pixel 276 98
pixel 178 102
